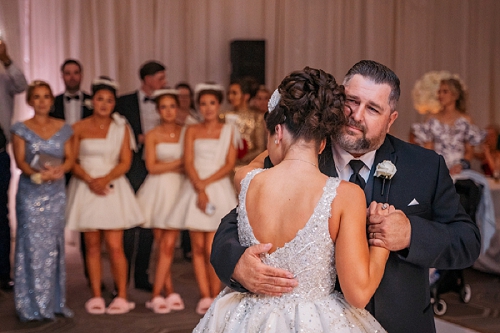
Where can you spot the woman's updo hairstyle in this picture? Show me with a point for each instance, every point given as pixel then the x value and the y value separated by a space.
pixel 311 105
pixel 159 94
pixel 209 88
pixel 104 82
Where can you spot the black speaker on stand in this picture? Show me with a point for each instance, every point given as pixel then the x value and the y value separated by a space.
pixel 248 58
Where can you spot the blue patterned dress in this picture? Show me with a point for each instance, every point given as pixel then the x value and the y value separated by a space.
pixel 40 273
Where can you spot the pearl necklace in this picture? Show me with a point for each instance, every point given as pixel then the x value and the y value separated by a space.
pixel 298 159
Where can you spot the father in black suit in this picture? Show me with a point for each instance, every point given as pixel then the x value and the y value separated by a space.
pixel 428 229
pixel 139 109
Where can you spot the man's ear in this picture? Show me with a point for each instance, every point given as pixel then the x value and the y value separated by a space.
pixel 392 117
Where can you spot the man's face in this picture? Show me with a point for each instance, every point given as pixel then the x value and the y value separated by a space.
pixel 369 116
pixel 156 81
pixel 72 77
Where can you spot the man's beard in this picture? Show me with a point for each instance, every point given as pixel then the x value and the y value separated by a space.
pixel 73 86
pixel 357 146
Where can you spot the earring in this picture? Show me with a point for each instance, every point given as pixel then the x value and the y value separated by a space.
pixel 276 141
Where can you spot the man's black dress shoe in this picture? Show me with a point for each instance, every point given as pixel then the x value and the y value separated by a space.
pixel 146 286
pixel 6 285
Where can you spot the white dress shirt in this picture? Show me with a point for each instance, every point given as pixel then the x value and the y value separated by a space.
pixel 150 118
pixel 342 159
pixel 72 108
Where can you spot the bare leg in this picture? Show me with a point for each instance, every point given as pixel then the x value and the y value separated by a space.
pixel 160 264
pixel 114 243
pixel 167 250
pixel 214 281
pixel 200 270
pixel 93 260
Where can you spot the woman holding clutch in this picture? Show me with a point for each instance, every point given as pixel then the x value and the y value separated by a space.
pixel 42 151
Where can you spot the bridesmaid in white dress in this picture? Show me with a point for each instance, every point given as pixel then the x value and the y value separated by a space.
pixel 101 202
pixel 207 195
pixel 163 156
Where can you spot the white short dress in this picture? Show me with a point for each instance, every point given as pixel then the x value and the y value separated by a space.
pixel 159 193
pixel 87 211
pixel 209 156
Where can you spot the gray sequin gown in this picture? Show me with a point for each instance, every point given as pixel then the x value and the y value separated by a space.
pixel 40 273
pixel 313 306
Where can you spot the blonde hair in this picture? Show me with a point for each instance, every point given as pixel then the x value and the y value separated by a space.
pixel 35 84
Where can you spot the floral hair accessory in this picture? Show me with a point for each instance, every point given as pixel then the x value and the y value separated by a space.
pixel 161 92
pixel 385 170
pixel 273 101
pixel 207 86
pixel 105 82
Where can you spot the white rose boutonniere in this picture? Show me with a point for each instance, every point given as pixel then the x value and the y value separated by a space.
pixel 385 170
pixel 88 104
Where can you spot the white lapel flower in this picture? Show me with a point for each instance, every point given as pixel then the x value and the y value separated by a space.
pixel 385 170
pixel 88 104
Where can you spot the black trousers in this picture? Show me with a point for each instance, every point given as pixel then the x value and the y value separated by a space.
pixel 137 243
pixel 4 216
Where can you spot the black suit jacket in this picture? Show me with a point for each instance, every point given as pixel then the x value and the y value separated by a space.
pixel 58 110
pixel 442 234
pixel 128 106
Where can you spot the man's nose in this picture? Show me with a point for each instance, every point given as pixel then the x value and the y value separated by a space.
pixel 357 113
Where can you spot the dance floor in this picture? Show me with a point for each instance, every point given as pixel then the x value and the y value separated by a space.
pixel 482 314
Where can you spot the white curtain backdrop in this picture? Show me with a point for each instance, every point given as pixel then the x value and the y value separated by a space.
pixel 192 37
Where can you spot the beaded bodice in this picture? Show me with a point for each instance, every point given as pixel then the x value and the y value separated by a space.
pixel 310 255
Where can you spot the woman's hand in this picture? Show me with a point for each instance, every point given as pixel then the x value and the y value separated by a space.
pixel 52 173
pixel 202 200
pixel 99 185
pixel 455 169
pixel 200 185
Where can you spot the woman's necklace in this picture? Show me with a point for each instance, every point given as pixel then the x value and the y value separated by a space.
pixel 298 159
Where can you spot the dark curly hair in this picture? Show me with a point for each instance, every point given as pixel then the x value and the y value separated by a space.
pixel 311 105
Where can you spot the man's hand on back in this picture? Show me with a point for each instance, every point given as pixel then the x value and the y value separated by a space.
pixel 259 278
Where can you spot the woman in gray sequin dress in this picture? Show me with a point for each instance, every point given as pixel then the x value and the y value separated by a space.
pixel 40 273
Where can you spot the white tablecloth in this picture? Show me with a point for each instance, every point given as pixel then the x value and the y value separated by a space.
pixel 488 221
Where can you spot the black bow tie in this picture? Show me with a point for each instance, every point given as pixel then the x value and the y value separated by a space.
pixel 69 98
pixel 148 99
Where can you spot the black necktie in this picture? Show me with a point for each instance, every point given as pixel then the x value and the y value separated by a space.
pixel 148 99
pixel 356 178
pixel 69 98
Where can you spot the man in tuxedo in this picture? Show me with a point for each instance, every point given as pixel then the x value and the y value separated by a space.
pixel 74 104
pixel 71 106
pixel 139 109
pixel 12 82
pixel 428 229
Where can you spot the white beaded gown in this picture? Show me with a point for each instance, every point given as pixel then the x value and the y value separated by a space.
pixel 159 192
pixel 314 305
pixel 209 156
pixel 87 211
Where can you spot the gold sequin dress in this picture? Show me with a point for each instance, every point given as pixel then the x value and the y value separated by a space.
pixel 313 306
